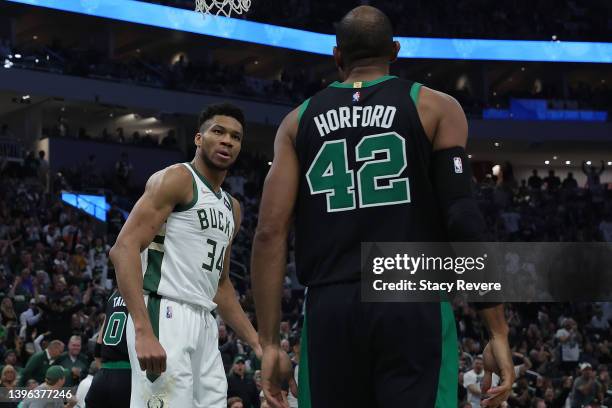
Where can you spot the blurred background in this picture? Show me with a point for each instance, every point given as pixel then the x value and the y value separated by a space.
pixel 91 105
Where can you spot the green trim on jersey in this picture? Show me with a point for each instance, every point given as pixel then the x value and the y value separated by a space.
pixel 116 365
pixel 446 395
pixel 302 109
pixel 205 181
pixel 304 373
pixel 152 275
pixel 159 239
pixel 229 197
pixel 414 92
pixel 362 84
pixel 153 306
pixel 194 199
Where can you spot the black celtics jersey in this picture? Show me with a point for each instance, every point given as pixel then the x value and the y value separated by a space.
pixel 114 346
pixel 364 177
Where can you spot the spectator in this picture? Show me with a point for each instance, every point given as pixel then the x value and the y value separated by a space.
pixel 598 322
pixel 472 380
pixel 552 182
pixel 9 317
pixel 239 384
pixel 235 402
pixel 10 359
pixel 74 362
pixel 40 362
pixel 569 339
pixel 8 378
pixel 570 183
pixel 535 182
pixel 54 380
pixel 593 174
pixel 123 169
pixel 605 227
pixel 98 260
pixel 586 387
pixel 227 346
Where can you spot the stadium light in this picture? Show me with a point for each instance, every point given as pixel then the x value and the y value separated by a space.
pixel 568 162
pixel 547 162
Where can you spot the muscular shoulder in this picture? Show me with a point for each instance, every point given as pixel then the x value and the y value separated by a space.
pixel 439 113
pixel 172 185
pixel 289 126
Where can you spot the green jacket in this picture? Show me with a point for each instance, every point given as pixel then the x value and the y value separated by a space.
pixel 35 368
pixel 80 362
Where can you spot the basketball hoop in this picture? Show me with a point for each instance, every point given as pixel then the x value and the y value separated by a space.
pixel 225 7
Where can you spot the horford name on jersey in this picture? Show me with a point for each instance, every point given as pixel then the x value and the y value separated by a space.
pixel 355 116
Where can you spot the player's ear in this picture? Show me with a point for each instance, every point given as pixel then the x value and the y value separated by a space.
pixel 396 50
pixel 338 58
pixel 198 139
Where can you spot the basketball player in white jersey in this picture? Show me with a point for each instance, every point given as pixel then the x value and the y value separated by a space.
pixel 172 264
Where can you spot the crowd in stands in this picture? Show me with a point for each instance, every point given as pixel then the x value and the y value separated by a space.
pixel 539 20
pixel 292 86
pixel 55 277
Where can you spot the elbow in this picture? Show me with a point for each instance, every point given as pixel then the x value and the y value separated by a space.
pixel 114 252
pixel 267 233
pixel 500 330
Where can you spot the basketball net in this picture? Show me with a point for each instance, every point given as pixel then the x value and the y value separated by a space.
pixel 224 7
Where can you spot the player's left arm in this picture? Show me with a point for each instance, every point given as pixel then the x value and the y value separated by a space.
pixel 227 303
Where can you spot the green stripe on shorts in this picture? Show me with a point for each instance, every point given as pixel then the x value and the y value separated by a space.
pixel 448 379
pixel 153 306
pixel 304 373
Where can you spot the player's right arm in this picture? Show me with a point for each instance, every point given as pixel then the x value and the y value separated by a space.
pixel 269 256
pixel 445 124
pixel 164 190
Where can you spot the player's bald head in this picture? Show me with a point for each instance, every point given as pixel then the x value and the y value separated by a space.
pixel 365 32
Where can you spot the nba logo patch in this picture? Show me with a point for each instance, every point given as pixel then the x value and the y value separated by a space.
pixel 458 165
pixel 169 312
pixel 356 97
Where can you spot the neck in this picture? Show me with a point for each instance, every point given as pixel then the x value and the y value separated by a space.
pixel 214 177
pixel 366 73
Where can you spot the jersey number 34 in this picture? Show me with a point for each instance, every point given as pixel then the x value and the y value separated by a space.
pixel 329 173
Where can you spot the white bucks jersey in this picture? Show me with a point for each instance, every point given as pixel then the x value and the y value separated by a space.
pixel 185 260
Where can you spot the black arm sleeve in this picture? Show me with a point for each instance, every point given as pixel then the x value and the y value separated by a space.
pixel 452 179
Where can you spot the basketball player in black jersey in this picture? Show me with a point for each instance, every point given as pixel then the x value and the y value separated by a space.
pixel 368 159
pixel 111 386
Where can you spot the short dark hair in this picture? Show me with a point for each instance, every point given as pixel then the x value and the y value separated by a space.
pixel 364 32
pixel 225 109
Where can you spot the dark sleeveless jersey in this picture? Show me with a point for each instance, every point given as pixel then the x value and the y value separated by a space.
pixel 114 346
pixel 364 177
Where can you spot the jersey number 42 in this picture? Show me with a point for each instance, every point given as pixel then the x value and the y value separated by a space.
pixel 329 173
